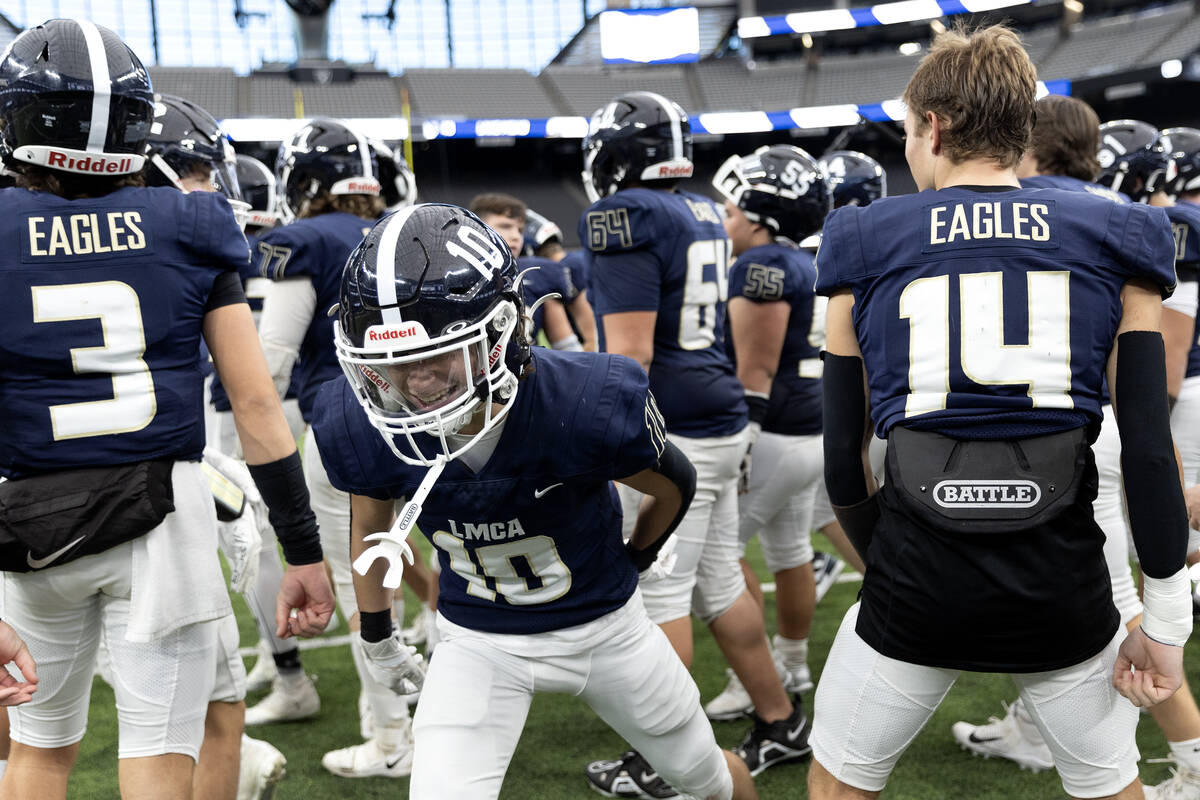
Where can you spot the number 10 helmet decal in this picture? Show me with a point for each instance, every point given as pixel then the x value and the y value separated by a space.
pixel 780 187
pixel 429 329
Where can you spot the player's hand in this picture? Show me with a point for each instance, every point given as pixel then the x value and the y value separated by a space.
pixel 1193 506
pixel 1147 672
pixel 305 601
pixel 13 650
pixel 394 664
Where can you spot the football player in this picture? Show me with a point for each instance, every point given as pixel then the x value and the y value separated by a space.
pixel 328 178
pixel 396 180
pixel 107 292
pixel 659 260
pixel 538 591
pixel 855 179
pixel 544 239
pixel 775 198
pixel 188 150
pixel 981 550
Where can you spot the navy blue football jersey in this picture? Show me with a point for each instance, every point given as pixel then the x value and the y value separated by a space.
pixel 576 265
pixel 1185 223
pixel 1067 183
pixel 667 252
pixel 781 273
pixel 532 542
pixel 102 301
pixel 315 248
pixel 254 285
pixel 990 314
pixel 545 276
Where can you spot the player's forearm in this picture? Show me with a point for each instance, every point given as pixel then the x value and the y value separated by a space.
pixel 367 516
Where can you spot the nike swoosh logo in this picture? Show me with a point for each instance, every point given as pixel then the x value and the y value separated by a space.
pixel 38 563
pixel 792 734
pixel 977 740
pixel 538 493
pixel 649 777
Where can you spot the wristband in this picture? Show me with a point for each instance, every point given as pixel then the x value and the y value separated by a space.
pixel 375 626
pixel 281 484
pixel 1167 618
pixel 756 403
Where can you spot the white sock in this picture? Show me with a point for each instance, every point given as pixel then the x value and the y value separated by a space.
pixel 1187 753
pixel 792 652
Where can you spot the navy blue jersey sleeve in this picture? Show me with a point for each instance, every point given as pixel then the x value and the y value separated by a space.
pixel 840 258
pixel 630 281
pixel 215 237
pixel 1144 245
pixel 576 267
pixel 347 442
pixel 286 252
pixel 761 279
pixel 1185 225
pixel 634 434
pixel 620 231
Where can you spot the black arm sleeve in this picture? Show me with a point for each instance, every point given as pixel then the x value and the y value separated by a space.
pixel 673 465
pixel 845 412
pixel 281 484
pixel 1153 494
pixel 226 291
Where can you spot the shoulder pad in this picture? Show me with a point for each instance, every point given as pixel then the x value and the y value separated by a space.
pixel 621 222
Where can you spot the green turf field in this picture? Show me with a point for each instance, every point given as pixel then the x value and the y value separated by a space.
pixel 562 735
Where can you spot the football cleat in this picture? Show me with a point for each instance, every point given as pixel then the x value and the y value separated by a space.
pixel 263 673
pixel 1184 783
pixel 630 776
pixel 826 569
pixel 770 743
pixel 291 698
pixel 1014 737
pixel 369 759
pixel 262 767
pixel 798 680
pixel 732 703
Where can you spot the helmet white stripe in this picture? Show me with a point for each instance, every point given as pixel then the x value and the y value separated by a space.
pixel 676 124
pixel 385 265
pixel 101 86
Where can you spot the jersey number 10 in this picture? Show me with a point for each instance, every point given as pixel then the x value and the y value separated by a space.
pixel 1043 363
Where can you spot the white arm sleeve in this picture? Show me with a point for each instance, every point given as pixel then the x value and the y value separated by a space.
pixel 288 308
pixel 1184 299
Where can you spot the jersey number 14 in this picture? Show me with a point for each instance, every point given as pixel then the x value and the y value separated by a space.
pixel 1043 363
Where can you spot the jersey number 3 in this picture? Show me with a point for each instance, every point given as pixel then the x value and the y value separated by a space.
pixel 132 405
pixel 1043 363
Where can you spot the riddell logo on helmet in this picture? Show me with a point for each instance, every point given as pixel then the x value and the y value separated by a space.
pixel 393 333
pixel 358 187
pixel 97 164
pixel 674 171
pixel 375 378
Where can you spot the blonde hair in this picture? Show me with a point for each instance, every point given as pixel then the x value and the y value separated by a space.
pixel 982 87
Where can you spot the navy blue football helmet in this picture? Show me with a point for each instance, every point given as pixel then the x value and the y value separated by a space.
pixel 638 136
pixel 53 116
pixel 396 179
pixel 324 156
pixel 1132 159
pixel 539 231
pixel 183 137
pixel 779 186
pixel 429 329
pixel 1182 146
pixel 855 179
pixel 258 189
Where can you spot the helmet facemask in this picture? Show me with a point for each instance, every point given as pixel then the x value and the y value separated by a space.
pixel 410 383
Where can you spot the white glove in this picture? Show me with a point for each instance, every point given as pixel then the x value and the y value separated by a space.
pixel 753 430
pixel 240 539
pixel 394 664
pixel 663 565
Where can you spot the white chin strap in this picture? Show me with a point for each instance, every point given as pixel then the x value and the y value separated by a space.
pixel 393 544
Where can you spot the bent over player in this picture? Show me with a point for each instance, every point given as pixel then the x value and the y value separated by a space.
pixel 537 589
pixel 983 337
